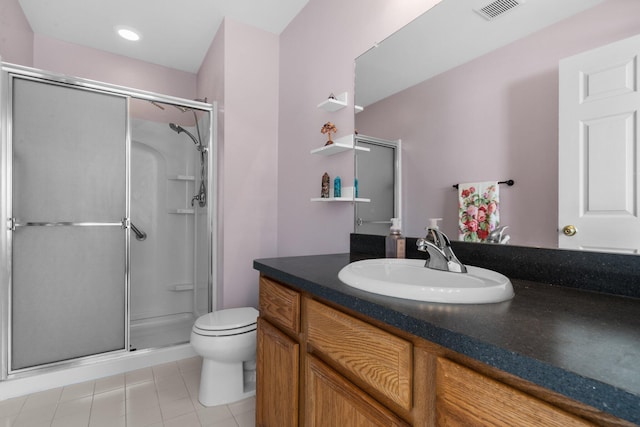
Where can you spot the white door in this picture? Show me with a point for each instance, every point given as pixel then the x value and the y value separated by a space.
pixel 598 149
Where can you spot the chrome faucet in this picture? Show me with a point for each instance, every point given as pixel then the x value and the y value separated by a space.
pixel 499 236
pixel 441 256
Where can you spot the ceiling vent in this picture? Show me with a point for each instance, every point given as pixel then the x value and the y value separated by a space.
pixel 497 8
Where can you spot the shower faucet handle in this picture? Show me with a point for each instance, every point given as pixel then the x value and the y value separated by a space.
pixel 200 198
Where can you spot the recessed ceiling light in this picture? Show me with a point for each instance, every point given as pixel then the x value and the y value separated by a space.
pixel 128 33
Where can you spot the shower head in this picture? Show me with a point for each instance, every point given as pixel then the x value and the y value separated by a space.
pixel 179 129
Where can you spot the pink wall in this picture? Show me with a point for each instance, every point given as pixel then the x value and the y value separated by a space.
pixel 211 80
pixel 249 199
pixel 493 118
pixel 317 52
pixel 80 61
pixel 268 88
pixel 16 37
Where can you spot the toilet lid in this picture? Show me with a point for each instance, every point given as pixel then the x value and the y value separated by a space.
pixel 224 320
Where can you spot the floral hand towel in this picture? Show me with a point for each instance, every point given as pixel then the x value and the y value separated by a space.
pixel 478 210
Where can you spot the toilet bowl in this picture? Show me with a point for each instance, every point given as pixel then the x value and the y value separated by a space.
pixel 226 340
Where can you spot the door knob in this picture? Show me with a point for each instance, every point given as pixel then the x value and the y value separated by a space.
pixel 569 230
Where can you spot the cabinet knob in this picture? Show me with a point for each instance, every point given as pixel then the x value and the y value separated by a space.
pixel 569 230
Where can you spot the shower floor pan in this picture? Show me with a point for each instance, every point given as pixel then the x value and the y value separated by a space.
pixel 161 331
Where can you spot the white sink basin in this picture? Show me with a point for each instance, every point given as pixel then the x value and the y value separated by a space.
pixel 410 279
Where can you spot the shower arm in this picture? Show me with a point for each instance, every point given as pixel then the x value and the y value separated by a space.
pixel 193 138
pixel 179 129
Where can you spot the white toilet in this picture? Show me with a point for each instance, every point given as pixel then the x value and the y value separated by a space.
pixel 226 340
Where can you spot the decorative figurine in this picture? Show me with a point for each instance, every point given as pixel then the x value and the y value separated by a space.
pixel 325 186
pixel 329 128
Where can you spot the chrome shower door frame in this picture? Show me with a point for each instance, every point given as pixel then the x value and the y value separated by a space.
pixel 9 76
pixel 212 214
pixel 382 224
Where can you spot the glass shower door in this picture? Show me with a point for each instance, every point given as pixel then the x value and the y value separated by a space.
pixel 68 204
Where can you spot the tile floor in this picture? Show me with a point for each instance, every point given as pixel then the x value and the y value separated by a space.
pixel 160 396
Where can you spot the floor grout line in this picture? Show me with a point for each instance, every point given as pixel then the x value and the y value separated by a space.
pixel 160 395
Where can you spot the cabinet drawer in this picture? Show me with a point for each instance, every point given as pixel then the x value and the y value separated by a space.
pixel 280 305
pixel 378 361
pixel 465 397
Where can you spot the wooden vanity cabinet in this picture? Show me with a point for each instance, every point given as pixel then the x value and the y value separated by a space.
pixel 278 356
pixel 319 365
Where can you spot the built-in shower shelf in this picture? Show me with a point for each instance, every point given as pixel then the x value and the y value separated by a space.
pixel 182 211
pixel 182 177
pixel 182 287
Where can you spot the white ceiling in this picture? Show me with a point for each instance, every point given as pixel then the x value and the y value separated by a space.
pixel 175 33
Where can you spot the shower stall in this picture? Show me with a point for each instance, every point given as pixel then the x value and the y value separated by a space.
pixel 108 203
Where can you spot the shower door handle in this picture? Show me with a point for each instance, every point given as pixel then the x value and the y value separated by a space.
pixel 14 223
pixel 140 235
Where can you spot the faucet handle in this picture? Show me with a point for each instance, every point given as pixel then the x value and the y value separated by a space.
pixel 441 256
pixel 437 258
pixel 437 237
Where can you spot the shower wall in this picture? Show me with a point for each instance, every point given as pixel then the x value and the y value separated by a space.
pixel 164 177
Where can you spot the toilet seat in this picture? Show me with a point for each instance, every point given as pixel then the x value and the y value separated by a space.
pixel 232 321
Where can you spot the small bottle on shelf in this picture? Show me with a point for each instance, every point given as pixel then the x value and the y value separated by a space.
pixel 337 187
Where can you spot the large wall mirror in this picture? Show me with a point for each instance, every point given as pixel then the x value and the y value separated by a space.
pixel 476 98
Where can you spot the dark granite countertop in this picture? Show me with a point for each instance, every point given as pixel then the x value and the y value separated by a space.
pixel 582 344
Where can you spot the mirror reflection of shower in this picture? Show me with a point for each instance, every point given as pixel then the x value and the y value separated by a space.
pixel 201 197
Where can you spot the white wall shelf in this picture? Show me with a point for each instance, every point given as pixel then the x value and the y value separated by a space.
pixel 341 144
pixel 334 104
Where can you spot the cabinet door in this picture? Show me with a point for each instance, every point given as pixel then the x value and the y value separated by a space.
pixel 278 371
pixel 331 400
pixel 465 397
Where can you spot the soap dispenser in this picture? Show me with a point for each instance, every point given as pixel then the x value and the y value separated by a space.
pixel 395 242
pixel 433 223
